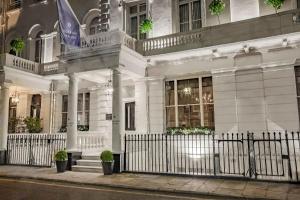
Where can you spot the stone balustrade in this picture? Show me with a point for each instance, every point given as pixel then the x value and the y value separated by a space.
pixel 90 141
pixel 251 29
pixel 19 63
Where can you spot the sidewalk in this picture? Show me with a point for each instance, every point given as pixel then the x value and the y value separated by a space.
pixel 202 186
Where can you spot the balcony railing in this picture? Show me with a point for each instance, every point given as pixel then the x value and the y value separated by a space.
pixel 102 40
pixel 19 63
pixel 261 27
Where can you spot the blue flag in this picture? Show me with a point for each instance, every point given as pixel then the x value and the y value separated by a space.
pixel 69 25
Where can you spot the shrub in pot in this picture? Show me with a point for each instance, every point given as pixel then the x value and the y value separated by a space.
pixel 107 160
pixel 216 7
pixel 276 4
pixel 16 46
pixel 61 159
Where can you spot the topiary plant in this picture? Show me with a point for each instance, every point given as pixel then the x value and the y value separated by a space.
pixel 276 4
pixel 61 156
pixel 107 156
pixel 33 124
pixel 146 26
pixel 17 45
pixel 216 7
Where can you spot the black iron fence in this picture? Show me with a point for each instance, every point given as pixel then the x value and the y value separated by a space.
pixel 265 156
pixel 33 149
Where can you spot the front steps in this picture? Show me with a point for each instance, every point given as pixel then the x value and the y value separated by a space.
pixel 88 163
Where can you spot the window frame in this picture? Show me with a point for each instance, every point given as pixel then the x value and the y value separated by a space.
pixel 177 105
pixel 137 14
pixel 130 116
pixel 83 111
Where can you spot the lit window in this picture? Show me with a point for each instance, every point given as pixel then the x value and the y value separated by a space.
pixel 189 15
pixel 130 116
pixel 137 14
pixel 83 109
pixel 189 103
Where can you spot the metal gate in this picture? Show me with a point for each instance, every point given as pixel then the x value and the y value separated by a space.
pixel 264 156
pixel 33 149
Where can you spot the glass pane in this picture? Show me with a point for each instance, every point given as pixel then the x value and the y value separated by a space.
pixel 188 91
pixel 64 119
pixel 143 7
pixel 297 73
pixel 184 17
pixel 196 17
pixel 134 27
pixel 133 9
pixel 170 117
pixel 189 116
pixel 208 102
pixel 142 35
pixel 80 120
pixel 87 118
pixel 87 102
pixel 65 103
pixel 80 103
pixel 170 94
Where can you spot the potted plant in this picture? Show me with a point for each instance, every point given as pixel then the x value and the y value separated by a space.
pixel 16 45
pixel 276 4
pixel 107 160
pixel 146 26
pixel 61 158
pixel 216 7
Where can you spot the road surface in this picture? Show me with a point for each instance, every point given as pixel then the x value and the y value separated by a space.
pixel 13 189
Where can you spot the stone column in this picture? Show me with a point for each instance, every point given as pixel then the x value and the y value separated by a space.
pixel 141 104
pixel 4 103
pixel 72 113
pixel 116 111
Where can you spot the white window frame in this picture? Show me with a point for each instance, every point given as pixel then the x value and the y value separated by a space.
pixel 176 106
pixel 138 14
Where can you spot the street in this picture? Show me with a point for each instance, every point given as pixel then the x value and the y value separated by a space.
pixel 12 189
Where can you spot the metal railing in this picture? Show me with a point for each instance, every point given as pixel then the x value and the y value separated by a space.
pixel 265 156
pixel 33 149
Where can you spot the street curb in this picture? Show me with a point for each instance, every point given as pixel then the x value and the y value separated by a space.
pixel 124 187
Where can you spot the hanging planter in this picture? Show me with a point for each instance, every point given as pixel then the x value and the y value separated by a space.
pixel 276 4
pixel 146 26
pixel 16 45
pixel 216 7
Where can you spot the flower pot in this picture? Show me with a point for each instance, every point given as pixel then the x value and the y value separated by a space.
pixel 61 166
pixel 108 167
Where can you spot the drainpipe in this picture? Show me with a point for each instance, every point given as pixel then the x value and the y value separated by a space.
pixel 147 101
pixel 51 107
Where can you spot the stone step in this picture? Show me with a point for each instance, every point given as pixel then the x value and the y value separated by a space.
pixel 90 169
pixel 93 163
pixel 91 157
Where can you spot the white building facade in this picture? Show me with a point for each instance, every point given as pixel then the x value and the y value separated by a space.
pixel 189 71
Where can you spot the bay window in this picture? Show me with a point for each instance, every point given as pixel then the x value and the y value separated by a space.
pixel 189 103
pixel 189 15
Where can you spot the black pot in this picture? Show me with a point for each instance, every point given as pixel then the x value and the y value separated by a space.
pixel 108 167
pixel 61 166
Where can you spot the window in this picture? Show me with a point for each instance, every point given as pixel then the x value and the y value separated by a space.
pixel 35 110
pixel 137 14
pixel 189 103
pixel 130 116
pixel 12 116
pixel 38 47
pixel 83 109
pixel 14 4
pixel 95 26
pixel 189 15
pixel 297 74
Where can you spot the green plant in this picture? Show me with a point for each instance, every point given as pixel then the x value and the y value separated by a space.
pixel 17 45
pixel 61 156
pixel 276 4
pixel 216 7
pixel 146 26
pixel 33 124
pixel 189 131
pixel 106 156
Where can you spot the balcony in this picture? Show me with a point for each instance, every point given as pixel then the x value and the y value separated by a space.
pixel 22 64
pixel 256 28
